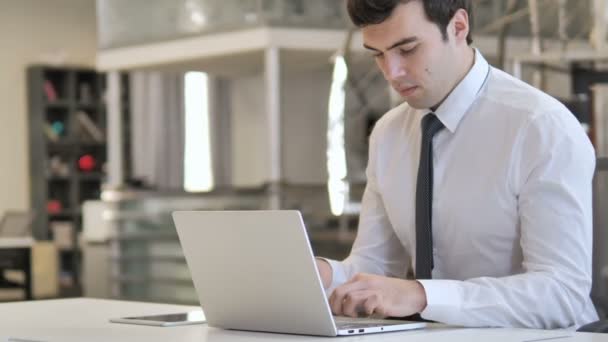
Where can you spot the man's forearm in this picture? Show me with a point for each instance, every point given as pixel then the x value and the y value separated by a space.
pixel 325 272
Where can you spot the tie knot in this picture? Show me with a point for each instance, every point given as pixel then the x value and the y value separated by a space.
pixel 431 125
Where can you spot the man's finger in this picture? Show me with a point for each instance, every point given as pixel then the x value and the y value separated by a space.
pixel 371 304
pixel 352 305
pixel 337 297
pixel 335 301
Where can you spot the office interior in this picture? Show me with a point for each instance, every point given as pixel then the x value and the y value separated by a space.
pixel 117 113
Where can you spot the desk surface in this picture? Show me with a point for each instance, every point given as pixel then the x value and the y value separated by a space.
pixel 84 319
pixel 7 242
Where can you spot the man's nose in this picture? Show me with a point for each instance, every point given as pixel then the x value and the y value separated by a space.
pixel 394 68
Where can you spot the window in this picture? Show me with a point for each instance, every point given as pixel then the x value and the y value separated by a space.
pixel 198 173
pixel 337 185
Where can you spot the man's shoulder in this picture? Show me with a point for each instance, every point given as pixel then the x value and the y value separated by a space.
pixel 519 97
pixel 391 119
pixel 529 106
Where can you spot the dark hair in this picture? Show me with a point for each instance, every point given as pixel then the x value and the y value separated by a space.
pixel 440 12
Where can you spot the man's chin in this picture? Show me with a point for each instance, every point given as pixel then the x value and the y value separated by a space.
pixel 416 103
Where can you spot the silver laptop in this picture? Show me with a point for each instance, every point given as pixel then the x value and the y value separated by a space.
pixel 255 270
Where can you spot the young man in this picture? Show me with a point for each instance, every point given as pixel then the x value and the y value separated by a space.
pixel 478 182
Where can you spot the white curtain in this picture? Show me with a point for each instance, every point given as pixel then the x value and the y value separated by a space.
pixel 157 128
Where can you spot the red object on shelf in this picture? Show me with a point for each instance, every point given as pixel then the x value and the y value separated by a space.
pixel 54 207
pixel 49 90
pixel 87 163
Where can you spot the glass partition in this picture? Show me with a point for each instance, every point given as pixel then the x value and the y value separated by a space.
pixel 125 23
pixel 146 260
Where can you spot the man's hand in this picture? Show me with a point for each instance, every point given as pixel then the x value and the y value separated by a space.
pixel 367 294
pixel 325 272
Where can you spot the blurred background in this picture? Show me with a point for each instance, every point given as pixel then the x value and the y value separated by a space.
pixel 116 113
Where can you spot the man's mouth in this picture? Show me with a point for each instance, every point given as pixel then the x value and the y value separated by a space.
pixel 407 91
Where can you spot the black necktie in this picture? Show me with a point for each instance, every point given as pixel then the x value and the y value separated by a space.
pixel 424 198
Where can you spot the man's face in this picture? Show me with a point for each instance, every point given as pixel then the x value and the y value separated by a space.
pixel 412 55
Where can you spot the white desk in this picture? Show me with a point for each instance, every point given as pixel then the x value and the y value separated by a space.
pixel 85 319
pixel 11 242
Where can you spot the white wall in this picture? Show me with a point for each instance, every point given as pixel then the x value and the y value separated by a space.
pixel 250 163
pixel 304 97
pixel 32 31
pixel 304 106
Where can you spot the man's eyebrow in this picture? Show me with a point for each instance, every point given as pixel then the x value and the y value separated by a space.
pixel 398 43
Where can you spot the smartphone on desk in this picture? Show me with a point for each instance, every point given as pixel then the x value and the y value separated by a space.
pixel 166 320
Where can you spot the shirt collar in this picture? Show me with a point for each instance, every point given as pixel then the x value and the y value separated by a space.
pixel 458 102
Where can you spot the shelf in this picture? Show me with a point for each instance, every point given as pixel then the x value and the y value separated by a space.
pixel 301 48
pixel 90 175
pixel 68 142
pixel 67 250
pixel 55 178
pixel 59 104
pixel 87 105
pixel 65 213
pixel 61 215
pixel 63 143
pixel 57 97
pixel 93 104
pixel 91 143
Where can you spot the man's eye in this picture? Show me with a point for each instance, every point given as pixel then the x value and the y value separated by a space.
pixel 378 55
pixel 406 52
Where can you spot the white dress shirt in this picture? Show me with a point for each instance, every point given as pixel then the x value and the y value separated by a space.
pixel 512 212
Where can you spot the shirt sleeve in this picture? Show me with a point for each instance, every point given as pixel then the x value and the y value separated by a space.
pixel 552 171
pixel 376 249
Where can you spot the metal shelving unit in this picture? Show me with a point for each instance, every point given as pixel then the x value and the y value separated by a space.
pixel 60 99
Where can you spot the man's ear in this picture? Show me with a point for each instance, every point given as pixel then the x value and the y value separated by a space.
pixel 459 25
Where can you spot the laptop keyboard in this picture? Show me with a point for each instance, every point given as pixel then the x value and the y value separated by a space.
pixel 348 323
pixel 357 325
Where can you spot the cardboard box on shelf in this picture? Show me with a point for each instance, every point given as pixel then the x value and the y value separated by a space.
pixel 63 234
